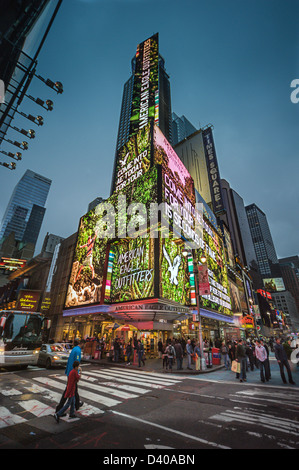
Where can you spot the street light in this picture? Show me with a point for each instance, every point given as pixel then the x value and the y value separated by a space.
pixel 190 253
pixel 10 166
pixel 15 156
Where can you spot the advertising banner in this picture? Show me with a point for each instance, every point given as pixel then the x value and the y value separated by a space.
pixel 203 278
pixel 181 212
pixel 213 170
pixel 212 247
pixel 28 300
pixel 145 101
pixel 174 273
pixel 132 270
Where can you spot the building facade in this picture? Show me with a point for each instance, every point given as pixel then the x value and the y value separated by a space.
pixel 181 128
pixel 262 241
pixel 26 208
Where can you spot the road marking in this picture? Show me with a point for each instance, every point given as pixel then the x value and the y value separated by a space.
pixel 171 430
pixel 83 393
pixel 266 421
pixel 109 391
pixel 9 419
pixel 36 408
pixel 131 376
pixel 107 375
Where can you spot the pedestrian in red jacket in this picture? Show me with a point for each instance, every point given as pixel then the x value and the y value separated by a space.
pixel 73 379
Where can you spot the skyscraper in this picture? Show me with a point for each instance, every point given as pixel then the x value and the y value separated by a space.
pixel 262 242
pixel 181 128
pixel 162 102
pixel 26 208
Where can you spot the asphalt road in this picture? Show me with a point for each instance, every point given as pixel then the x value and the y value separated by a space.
pixel 128 414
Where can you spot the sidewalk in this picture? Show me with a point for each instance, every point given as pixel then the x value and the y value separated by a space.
pixel 217 372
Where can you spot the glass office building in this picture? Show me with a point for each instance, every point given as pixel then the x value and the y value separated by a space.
pixel 26 208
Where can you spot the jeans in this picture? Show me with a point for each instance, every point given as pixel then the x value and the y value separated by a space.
pixel 170 362
pixel 63 400
pixel 140 358
pixel 262 367
pixel 71 402
pixel 226 361
pixel 179 361
pixel 243 364
pixel 116 355
pixel 287 366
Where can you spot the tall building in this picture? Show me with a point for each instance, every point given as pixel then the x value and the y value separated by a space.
pixel 162 105
pixel 181 128
pixel 262 242
pixel 26 208
pixel 236 220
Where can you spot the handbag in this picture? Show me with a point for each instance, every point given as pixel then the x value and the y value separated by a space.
pixel 236 367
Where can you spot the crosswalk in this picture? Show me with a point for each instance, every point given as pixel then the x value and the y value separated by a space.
pixel 252 410
pixel 99 389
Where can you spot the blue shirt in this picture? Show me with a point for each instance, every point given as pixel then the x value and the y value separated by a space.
pixel 75 355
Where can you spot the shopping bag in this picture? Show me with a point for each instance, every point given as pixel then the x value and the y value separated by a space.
pixel 236 367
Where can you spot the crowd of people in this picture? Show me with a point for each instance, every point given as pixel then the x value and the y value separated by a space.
pixel 252 354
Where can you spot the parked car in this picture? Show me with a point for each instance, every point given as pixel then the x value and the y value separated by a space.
pixel 52 355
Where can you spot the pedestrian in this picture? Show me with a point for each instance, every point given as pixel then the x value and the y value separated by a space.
pixel 282 359
pixel 160 348
pixel 129 351
pixel 261 355
pixel 164 357
pixel 189 351
pixel 116 348
pixel 197 354
pixel 75 355
pixel 140 352
pixel 170 351
pixel 249 353
pixel 241 358
pixel 224 354
pixel 179 355
pixel 70 393
pixel 268 369
pixel 231 352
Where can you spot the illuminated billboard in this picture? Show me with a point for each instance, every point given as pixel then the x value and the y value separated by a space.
pixel 28 300
pixel 212 247
pixel 133 159
pixel 180 212
pixel 174 274
pixel 145 101
pixel 275 284
pixel 116 218
pixel 132 270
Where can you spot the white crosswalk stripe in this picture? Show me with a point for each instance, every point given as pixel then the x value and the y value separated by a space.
pixel 104 387
pixel 260 417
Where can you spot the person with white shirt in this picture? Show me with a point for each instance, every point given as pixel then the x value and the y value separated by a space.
pixel 261 356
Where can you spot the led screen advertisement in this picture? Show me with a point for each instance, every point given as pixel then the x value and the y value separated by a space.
pixel 115 218
pixel 174 273
pixel 146 83
pixel 132 270
pixel 181 212
pixel 133 159
pixel 212 247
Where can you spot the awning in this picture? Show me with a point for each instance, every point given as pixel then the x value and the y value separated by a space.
pixel 152 310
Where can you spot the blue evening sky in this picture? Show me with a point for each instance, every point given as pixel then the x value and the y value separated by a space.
pixel 230 63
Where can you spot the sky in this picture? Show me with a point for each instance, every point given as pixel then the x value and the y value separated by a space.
pixel 230 64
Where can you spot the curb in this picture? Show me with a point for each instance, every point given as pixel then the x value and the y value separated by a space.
pixel 160 371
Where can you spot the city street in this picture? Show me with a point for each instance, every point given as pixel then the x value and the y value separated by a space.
pixel 138 409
